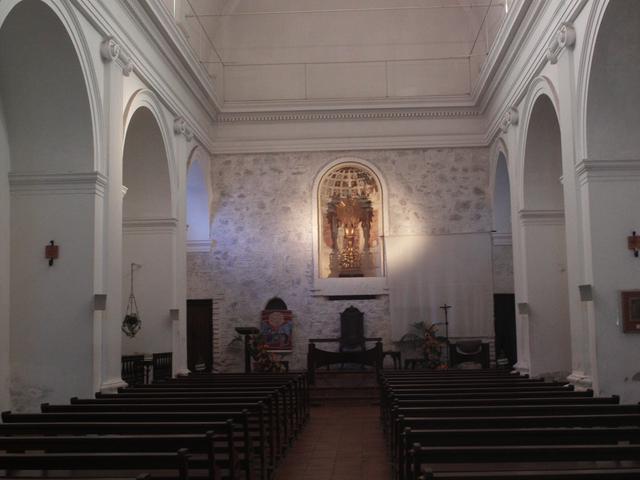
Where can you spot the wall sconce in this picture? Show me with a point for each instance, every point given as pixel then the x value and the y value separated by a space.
pixel 523 308
pixel 174 314
pixel 633 243
pixel 51 252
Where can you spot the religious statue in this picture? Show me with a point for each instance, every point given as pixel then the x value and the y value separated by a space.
pixel 351 212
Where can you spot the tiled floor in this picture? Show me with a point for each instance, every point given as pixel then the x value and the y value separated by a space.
pixel 339 443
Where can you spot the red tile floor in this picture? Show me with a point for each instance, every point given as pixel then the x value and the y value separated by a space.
pixel 338 443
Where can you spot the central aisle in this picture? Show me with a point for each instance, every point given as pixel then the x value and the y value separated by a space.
pixel 339 443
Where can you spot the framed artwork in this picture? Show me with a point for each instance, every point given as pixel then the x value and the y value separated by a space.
pixel 276 327
pixel 630 311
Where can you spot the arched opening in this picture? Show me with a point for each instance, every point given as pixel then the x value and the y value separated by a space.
pixel 47 192
pixel 612 192
pixel 544 243
pixel 198 201
pixel 149 230
pixel 503 283
pixel 350 222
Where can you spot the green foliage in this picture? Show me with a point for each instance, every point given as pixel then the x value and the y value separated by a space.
pixel 422 336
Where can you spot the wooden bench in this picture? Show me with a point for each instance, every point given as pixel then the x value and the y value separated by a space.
pixel 580 474
pixel 88 462
pixel 546 456
pixel 138 423
pixel 507 436
pixel 264 433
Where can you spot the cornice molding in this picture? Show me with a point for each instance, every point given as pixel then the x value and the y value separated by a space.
pixel 528 63
pixel 109 21
pixel 565 37
pixel 502 239
pixel 149 225
pixel 589 171
pixel 112 51
pixel 232 146
pixel 541 217
pixel 90 183
pixel 199 246
pixel 296 116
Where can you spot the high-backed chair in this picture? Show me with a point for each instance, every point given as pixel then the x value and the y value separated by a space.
pixel 352 330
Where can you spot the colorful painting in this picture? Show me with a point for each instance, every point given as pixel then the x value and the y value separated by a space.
pixel 276 328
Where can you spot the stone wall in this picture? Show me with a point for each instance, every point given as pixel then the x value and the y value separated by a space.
pixel 262 232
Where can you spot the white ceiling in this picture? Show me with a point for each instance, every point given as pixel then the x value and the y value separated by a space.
pixel 287 33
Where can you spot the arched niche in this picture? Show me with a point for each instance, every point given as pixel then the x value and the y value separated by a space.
pixel 149 231
pixel 198 202
pixel 48 191
pixel 613 116
pixel 350 221
pixel 545 289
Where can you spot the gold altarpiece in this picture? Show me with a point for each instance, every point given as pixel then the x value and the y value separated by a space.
pixel 350 222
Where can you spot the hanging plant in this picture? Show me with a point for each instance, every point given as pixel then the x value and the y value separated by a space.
pixel 131 323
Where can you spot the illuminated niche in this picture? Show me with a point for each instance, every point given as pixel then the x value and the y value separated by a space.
pixel 350 222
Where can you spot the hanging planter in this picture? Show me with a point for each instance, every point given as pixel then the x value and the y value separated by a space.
pixel 131 323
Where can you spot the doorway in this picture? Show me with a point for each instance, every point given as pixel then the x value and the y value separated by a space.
pixel 200 335
pixel 505 325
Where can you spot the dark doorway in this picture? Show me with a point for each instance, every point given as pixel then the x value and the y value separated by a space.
pixel 200 335
pixel 504 307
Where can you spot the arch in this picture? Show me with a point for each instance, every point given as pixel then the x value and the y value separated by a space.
pixel 540 86
pixel 542 170
pixel 543 237
pixel 149 227
pixel 612 95
pixel 147 99
pixel 50 307
pixel 327 258
pixel 199 198
pixel 501 196
pixel 589 38
pixel 498 150
pixel 68 18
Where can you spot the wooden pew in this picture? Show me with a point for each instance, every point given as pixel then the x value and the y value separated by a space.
pixel 545 455
pixel 290 408
pixel 581 474
pixel 281 410
pixel 265 433
pixel 178 462
pixel 508 436
pixel 136 423
pixel 204 444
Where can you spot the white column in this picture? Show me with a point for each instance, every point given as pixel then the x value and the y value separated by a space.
pixel 183 144
pixel 561 53
pixel 543 241
pixel 117 64
pixel 610 193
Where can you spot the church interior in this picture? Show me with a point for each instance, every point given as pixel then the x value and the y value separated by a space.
pixel 407 200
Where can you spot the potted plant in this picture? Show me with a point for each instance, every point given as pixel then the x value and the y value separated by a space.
pixel 423 338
